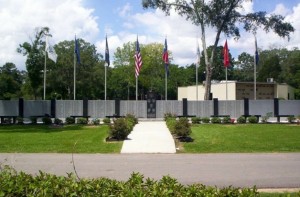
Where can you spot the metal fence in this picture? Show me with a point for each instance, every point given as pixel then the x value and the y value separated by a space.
pixel 101 109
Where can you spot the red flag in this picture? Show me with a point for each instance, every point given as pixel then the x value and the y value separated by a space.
pixel 226 55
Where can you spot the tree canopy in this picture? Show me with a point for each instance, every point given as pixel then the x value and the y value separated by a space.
pixel 224 16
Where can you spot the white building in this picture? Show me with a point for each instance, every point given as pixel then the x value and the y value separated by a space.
pixel 238 91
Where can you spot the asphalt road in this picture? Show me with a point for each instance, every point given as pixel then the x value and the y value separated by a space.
pixel 272 170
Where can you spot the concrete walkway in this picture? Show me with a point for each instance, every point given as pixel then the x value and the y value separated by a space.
pixel 149 137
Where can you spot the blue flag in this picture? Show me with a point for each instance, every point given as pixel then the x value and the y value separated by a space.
pixel 107 54
pixel 256 53
pixel 77 51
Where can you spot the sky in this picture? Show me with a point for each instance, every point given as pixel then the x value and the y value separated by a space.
pixel 122 21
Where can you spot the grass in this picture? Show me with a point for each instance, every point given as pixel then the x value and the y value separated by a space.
pixel 279 194
pixel 244 138
pixel 47 139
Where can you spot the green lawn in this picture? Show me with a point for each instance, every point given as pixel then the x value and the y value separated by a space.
pixel 46 139
pixel 220 138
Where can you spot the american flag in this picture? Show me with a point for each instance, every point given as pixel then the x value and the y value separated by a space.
pixel 166 57
pixel 138 59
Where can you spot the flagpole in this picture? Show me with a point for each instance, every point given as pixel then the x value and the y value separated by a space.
pixel 254 78
pixel 75 74
pixel 254 88
pixel 226 85
pixel 105 73
pixel 166 86
pixel 45 70
pixel 136 88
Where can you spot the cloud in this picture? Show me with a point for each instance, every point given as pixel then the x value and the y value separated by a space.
pixel 19 18
pixel 125 10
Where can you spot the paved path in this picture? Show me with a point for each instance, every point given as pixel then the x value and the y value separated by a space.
pixel 273 170
pixel 149 137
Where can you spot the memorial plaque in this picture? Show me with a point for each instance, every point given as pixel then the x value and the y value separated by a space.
pixel 151 105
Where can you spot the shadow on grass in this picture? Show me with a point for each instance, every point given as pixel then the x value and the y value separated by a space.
pixel 38 128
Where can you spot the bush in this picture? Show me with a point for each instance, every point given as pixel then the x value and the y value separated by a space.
pixel 205 119
pixel 58 121
pixel 33 120
pixel 47 120
pixel 20 120
pixel 216 120
pixel 15 183
pixel 82 120
pixel 241 120
pixel 171 124
pixel 106 120
pixel 196 120
pixel 169 115
pixel 182 128
pixel 291 119
pixel 120 129
pixel 266 117
pixel 70 120
pixel 131 118
pixel 252 119
pixel 96 121
pixel 226 120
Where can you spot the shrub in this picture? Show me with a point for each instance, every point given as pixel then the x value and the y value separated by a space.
pixel 169 115
pixel 96 121
pixel 33 120
pixel 58 121
pixel 196 120
pixel 120 129
pixel 266 117
pixel 70 120
pixel 47 120
pixel 15 183
pixel 82 120
pixel 252 119
pixel 226 120
pixel 205 119
pixel 241 120
pixel 131 118
pixel 182 128
pixel 291 119
pixel 20 120
pixel 106 120
pixel 216 120
pixel 171 124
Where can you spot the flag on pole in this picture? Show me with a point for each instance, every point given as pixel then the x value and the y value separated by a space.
pixel 107 54
pixel 50 50
pixel 198 56
pixel 256 52
pixel 77 51
pixel 226 55
pixel 138 59
pixel 166 57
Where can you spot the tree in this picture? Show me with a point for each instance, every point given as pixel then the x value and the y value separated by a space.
pixel 270 69
pixel 89 73
pixel 35 52
pixel 245 69
pixel 224 16
pixel 11 80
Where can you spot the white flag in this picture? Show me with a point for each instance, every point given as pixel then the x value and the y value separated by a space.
pixel 198 56
pixel 50 50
